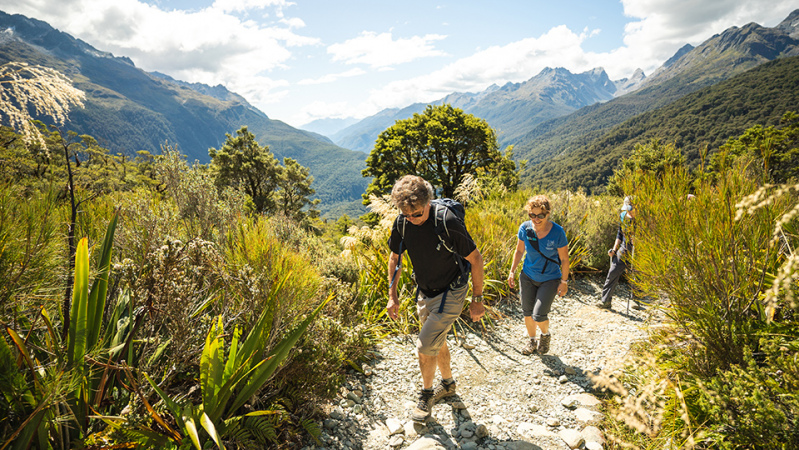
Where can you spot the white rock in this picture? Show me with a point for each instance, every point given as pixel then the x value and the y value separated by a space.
pixel 394 426
pixel 593 434
pixel 585 415
pixel 396 441
pixel 426 443
pixel 572 438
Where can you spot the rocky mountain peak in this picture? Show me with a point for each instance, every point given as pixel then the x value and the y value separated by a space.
pixel 791 24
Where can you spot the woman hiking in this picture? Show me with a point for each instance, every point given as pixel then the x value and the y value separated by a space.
pixel 545 271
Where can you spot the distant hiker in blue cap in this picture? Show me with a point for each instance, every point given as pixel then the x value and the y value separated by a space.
pixel 619 255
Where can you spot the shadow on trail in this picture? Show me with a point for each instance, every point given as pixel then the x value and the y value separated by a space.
pixel 464 429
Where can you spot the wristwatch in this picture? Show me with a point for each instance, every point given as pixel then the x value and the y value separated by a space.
pixel 477 299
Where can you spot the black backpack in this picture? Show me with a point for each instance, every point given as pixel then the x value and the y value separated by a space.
pixel 441 208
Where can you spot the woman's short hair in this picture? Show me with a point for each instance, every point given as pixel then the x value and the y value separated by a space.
pixel 538 201
pixel 410 192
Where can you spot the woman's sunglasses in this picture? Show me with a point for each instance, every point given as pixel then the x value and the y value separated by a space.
pixel 413 216
pixel 538 216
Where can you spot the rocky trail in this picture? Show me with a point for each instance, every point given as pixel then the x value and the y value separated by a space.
pixel 504 400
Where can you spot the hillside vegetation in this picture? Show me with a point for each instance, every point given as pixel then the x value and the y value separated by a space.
pixel 194 294
pixel 128 110
pixel 702 120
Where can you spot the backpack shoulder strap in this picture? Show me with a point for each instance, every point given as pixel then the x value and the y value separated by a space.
pixel 401 222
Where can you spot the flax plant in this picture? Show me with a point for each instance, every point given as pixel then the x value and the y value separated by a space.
pixel 46 91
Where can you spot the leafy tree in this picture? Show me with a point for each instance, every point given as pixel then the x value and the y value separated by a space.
pixel 651 158
pixel 441 145
pixel 246 165
pixel 776 148
pixel 294 189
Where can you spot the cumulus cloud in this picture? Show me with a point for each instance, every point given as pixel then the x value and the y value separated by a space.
pixel 210 45
pixel 332 77
pixel 324 110
pixel 382 50
pixel 517 61
pixel 658 28
pixel 245 5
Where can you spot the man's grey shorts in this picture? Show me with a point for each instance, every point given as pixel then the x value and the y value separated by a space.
pixel 435 324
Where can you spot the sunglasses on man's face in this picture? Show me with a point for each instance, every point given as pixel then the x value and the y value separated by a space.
pixel 538 216
pixel 414 215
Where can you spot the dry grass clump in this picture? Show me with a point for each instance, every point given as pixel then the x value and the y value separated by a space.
pixel 48 92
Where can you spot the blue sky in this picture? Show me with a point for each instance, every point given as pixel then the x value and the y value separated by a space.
pixel 304 60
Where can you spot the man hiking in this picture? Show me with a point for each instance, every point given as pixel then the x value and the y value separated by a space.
pixel 441 261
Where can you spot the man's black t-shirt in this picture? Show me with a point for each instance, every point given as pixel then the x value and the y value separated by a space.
pixel 434 266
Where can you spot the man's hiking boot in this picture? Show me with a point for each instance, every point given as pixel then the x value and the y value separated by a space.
pixel 530 348
pixel 443 390
pixel 543 344
pixel 424 406
pixel 602 305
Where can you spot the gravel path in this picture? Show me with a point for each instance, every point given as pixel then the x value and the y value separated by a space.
pixel 504 399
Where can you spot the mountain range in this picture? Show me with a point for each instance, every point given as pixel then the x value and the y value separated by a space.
pixel 575 140
pixel 512 109
pixel 559 122
pixel 128 109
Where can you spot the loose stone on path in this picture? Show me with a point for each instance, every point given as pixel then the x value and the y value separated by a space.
pixel 504 400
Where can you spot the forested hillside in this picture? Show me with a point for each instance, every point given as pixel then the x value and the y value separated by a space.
pixel 703 119
pixel 512 109
pixel 128 110
pixel 732 52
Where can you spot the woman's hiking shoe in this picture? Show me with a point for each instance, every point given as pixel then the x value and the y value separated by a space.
pixel 443 390
pixel 543 344
pixel 424 406
pixel 601 305
pixel 530 348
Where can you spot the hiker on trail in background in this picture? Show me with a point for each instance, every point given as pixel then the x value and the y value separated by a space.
pixel 545 271
pixel 443 256
pixel 619 254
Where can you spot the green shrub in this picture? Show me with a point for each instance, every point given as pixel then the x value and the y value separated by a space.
pixel 753 405
pixel 32 250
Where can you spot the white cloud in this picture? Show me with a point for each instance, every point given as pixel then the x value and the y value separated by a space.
pixel 332 77
pixel 382 50
pixel 659 29
pixel 210 45
pixel 323 110
pixel 663 26
pixel 245 5
pixel 517 61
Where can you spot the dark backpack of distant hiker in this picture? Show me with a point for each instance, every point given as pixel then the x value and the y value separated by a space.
pixel 533 238
pixel 441 210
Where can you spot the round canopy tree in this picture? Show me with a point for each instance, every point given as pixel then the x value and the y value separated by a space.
pixel 441 145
